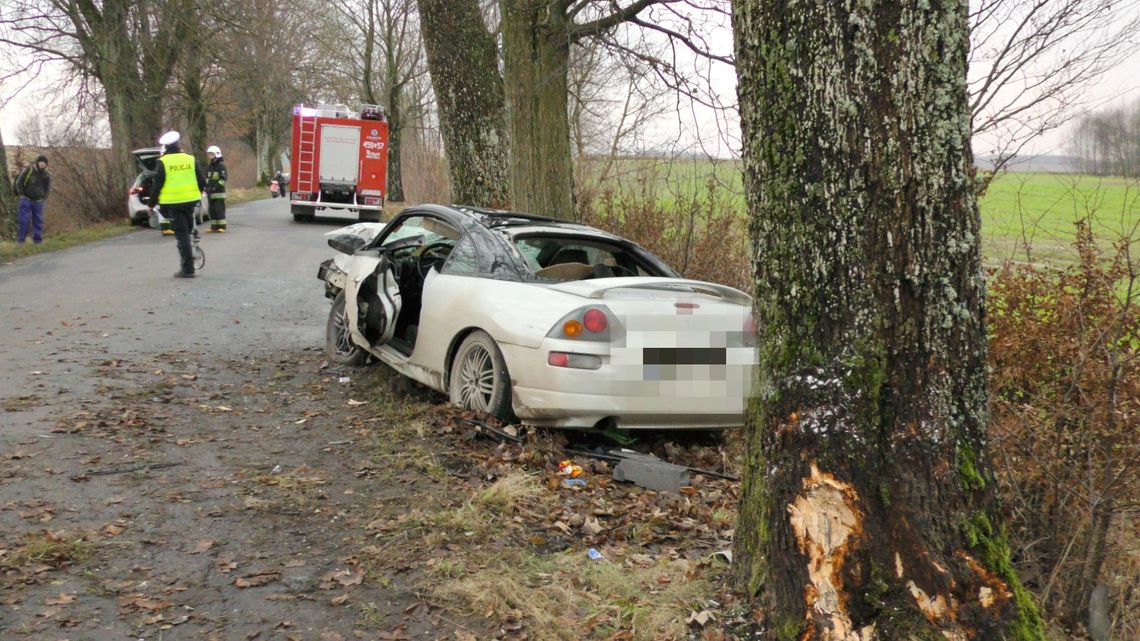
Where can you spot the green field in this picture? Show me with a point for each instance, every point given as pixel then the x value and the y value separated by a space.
pixel 1018 208
pixel 1043 208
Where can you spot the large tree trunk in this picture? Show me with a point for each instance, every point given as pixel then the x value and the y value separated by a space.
pixel 469 90
pixel 133 74
pixel 536 57
pixel 867 507
pixel 395 125
pixel 119 118
pixel 193 77
pixel 7 196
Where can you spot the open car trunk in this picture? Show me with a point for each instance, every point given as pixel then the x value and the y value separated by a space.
pixel 147 158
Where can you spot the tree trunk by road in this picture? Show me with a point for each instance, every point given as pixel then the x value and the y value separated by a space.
pixel 395 146
pixel 465 74
pixel 132 53
pixel 7 196
pixel 536 57
pixel 867 507
pixel 193 76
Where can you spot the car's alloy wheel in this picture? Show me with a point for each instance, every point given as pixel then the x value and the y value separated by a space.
pixel 339 347
pixel 479 380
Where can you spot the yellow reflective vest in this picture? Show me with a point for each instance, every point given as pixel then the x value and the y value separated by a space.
pixel 181 183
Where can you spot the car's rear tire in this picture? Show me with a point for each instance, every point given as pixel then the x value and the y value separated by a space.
pixel 339 348
pixel 479 379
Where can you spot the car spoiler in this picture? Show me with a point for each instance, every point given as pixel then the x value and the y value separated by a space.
pixel 598 288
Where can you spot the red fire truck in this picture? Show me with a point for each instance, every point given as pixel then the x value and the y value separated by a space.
pixel 339 161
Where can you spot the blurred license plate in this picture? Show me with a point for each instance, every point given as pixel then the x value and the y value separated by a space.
pixel 683 356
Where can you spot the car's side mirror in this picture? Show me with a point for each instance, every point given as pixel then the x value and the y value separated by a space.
pixel 347 243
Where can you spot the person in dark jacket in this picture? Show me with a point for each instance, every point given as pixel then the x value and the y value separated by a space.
pixel 216 188
pixel 179 183
pixel 282 184
pixel 33 185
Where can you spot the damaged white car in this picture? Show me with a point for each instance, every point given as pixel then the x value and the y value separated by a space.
pixel 548 322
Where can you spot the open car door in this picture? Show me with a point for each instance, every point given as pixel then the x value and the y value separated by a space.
pixel 372 298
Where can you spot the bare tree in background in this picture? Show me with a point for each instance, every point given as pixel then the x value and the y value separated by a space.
pixel 1032 61
pixel 611 98
pixel 129 48
pixel 463 61
pixel 1108 142
pixel 538 36
pixel 265 43
pixel 197 73
pixel 386 55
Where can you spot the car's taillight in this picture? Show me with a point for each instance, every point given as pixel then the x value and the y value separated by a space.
pixel 574 361
pixel 135 190
pixel 748 337
pixel 594 323
pixel 595 320
pixel 572 328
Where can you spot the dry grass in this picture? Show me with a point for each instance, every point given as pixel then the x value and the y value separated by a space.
pixel 299 479
pixel 486 516
pixel 46 548
pixel 561 595
pixel 565 596
pixel 53 241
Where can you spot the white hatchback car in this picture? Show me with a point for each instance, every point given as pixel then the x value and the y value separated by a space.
pixel 553 323
pixel 138 196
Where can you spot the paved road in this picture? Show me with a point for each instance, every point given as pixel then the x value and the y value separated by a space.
pixel 187 433
pixel 118 297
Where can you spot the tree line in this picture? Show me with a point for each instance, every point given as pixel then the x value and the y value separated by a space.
pixel 502 76
pixel 522 94
pixel 1107 143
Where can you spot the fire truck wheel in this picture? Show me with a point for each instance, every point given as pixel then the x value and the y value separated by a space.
pixel 302 214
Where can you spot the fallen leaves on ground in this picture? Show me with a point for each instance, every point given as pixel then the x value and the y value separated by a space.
pixel 256 579
pixel 342 576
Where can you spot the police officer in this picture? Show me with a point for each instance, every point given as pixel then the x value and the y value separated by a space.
pixel 179 183
pixel 216 188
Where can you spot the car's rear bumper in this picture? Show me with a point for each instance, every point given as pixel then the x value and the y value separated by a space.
pixel 699 397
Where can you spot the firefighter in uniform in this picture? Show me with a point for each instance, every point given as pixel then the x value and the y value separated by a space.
pixel 216 189
pixel 179 183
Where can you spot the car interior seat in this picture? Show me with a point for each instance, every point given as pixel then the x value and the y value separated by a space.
pixel 570 255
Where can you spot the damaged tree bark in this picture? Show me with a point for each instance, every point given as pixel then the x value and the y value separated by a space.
pixel 867 507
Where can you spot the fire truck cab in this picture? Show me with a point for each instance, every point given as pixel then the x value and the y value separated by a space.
pixel 339 161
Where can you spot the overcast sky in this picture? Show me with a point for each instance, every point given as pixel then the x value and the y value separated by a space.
pixel 692 128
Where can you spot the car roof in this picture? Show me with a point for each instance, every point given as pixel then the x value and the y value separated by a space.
pixel 509 224
pixel 517 222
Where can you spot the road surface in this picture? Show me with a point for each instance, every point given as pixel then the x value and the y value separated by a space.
pixel 176 461
pixel 118 297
